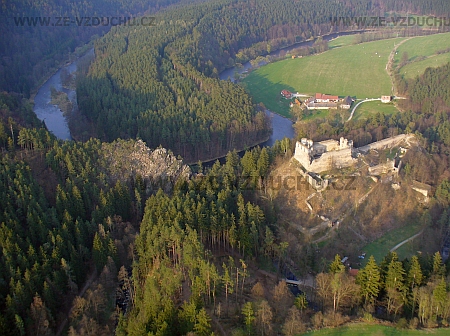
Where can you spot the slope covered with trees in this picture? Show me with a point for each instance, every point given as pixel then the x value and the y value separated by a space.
pixel 31 50
pixel 61 206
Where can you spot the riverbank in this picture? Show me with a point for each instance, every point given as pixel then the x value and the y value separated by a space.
pixel 71 58
pixel 210 162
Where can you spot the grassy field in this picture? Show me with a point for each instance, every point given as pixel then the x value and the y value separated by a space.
pixel 417 68
pixel 422 46
pixel 380 247
pixel 354 70
pixel 372 107
pixel 376 330
pixel 342 41
pixel 316 114
pixel 422 54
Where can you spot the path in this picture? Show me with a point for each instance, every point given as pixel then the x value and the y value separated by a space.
pixel 308 204
pixel 80 294
pixel 360 236
pixel 356 106
pixel 405 241
pixel 390 74
pixel 344 215
pixel 391 62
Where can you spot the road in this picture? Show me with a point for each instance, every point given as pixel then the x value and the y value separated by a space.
pixel 356 106
pixel 80 294
pixel 406 240
pixel 367 100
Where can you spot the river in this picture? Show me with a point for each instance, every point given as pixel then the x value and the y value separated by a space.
pixel 57 123
pixel 52 116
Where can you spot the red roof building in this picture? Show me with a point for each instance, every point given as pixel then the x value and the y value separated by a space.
pixel 286 94
pixel 324 98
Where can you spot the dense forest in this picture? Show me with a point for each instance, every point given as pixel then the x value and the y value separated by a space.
pixel 60 205
pixel 29 53
pixel 64 213
pixel 115 237
pixel 72 210
pixel 160 83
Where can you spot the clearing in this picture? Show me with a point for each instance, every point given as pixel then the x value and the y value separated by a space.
pixel 380 247
pixel 376 330
pixel 373 107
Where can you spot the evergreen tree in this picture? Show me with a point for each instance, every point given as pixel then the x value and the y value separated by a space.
pixel 249 317
pixel 369 279
pixel 336 265
pixel 413 280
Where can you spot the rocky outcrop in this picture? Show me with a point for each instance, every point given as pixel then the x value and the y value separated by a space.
pixel 159 167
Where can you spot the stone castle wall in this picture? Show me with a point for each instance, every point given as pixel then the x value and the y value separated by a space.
pixel 338 154
pixel 386 143
pixel 328 160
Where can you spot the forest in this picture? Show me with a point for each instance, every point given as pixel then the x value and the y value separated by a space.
pixel 174 261
pixel 90 245
pixel 29 54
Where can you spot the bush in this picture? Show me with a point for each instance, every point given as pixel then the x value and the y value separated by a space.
pixel 331 319
pixel 414 323
pixel 402 323
pixel 238 332
pixel 317 320
pixel 368 317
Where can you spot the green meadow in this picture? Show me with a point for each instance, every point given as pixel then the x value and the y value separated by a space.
pixel 376 330
pixel 422 53
pixel 373 107
pixel 417 68
pixel 422 46
pixel 380 247
pixel 355 70
pixel 342 41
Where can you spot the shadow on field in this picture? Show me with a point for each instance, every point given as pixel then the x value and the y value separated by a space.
pixel 269 93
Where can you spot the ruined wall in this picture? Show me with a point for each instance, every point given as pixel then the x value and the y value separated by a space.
pixel 335 159
pixel 329 160
pixel 386 143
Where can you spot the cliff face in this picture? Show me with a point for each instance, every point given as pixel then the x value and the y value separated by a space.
pixel 159 167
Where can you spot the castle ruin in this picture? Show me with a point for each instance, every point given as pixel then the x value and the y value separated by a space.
pixel 324 155
pixel 316 158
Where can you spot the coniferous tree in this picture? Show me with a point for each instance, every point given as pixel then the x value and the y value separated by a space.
pixel 369 279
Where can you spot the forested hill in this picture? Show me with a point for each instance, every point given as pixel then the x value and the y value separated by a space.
pixel 159 83
pixel 28 52
pixel 56 200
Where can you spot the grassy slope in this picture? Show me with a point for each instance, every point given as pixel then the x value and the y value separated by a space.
pixel 355 70
pixel 380 247
pixel 423 46
pixel 365 109
pixel 342 41
pixel 376 330
pixel 417 68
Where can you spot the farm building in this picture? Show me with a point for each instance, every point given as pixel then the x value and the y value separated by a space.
pixel 347 102
pixel 286 94
pixel 386 99
pixel 324 98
